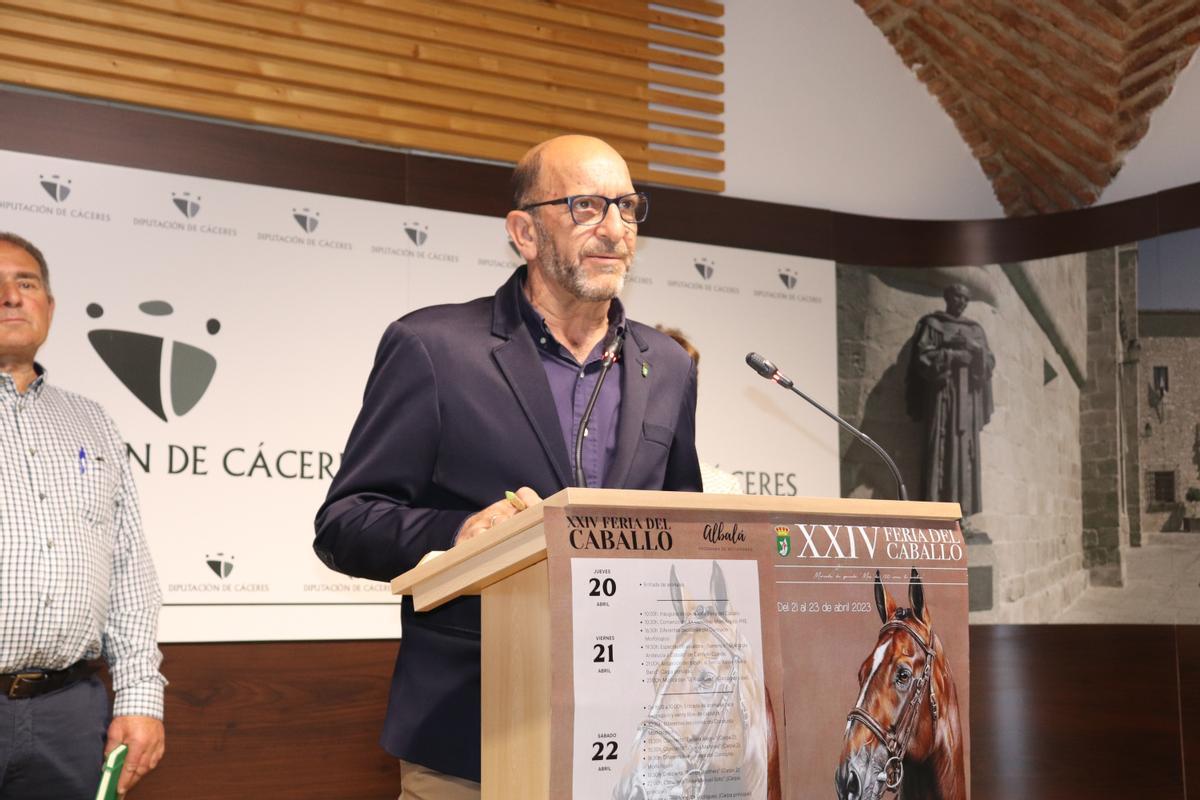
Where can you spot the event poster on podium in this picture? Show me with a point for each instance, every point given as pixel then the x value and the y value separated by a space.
pixel 873 618
pixel 675 665
pixel 755 656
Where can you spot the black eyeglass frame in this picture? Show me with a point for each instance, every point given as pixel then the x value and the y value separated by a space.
pixel 569 202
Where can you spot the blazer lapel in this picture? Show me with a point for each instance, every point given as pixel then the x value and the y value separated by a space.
pixel 635 393
pixel 518 360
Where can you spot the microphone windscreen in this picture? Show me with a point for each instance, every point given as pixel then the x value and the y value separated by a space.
pixel 761 365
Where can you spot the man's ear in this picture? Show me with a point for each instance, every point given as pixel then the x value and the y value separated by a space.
pixel 521 231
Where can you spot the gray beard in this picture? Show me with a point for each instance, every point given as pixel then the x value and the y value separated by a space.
pixel 570 275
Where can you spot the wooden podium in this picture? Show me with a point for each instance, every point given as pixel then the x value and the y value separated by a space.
pixel 507 566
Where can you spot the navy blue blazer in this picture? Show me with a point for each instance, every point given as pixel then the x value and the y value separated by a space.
pixel 456 411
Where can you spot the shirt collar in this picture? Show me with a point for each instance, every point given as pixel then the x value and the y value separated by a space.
pixel 536 323
pixel 8 387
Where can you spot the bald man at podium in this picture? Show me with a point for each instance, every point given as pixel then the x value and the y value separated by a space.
pixel 467 402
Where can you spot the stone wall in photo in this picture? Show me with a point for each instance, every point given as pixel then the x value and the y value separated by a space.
pixel 1035 318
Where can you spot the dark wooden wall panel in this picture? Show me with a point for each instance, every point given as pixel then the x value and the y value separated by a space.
pixel 1189 705
pixel 1087 712
pixel 1075 712
pixel 104 134
pixel 71 128
pixel 296 720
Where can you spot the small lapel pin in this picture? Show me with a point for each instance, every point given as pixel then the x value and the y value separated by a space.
pixel 645 369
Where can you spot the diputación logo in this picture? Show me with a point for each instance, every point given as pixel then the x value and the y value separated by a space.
pixel 220 564
pixel 57 187
pixel 188 205
pixel 140 361
pixel 417 232
pixel 307 219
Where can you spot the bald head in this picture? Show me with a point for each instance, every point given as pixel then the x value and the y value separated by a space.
pixel 584 260
pixel 549 166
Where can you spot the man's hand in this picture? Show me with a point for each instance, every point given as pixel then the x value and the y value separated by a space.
pixel 144 736
pixel 494 514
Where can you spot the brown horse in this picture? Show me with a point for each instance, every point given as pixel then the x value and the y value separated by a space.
pixel 710 729
pixel 904 734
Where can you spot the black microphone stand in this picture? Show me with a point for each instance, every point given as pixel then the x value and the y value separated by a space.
pixel 609 358
pixel 769 371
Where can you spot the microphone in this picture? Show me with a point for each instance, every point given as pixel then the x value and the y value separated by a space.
pixel 612 349
pixel 615 343
pixel 771 372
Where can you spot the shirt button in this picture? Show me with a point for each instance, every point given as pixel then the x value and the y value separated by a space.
pixel 581 374
pixel 49 601
pixel 542 340
pixel 41 495
pixel 32 452
pixel 49 544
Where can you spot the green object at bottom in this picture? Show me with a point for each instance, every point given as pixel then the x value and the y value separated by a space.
pixel 110 776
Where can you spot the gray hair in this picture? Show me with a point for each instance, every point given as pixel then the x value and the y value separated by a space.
pixel 29 247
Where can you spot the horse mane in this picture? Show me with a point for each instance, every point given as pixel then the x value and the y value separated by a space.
pixel 759 726
pixel 774 783
pixel 948 734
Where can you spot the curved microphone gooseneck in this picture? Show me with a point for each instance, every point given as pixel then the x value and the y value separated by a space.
pixel 611 351
pixel 769 371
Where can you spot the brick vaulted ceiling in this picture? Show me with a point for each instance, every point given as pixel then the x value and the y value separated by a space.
pixel 1049 94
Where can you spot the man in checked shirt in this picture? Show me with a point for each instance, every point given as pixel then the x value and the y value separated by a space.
pixel 76 580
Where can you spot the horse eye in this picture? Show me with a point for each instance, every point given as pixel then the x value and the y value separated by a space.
pixel 903 675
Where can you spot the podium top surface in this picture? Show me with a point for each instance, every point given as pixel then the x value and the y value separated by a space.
pixel 520 541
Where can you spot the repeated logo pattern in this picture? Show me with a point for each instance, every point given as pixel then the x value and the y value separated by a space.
pixel 55 186
pixel 220 564
pixel 188 206
pixel 307 219
pixel 417 233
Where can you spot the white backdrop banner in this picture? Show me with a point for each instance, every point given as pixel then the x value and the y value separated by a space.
pixel 229 330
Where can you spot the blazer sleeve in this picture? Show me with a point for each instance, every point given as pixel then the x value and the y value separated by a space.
pixel 683 465
pixel 371 524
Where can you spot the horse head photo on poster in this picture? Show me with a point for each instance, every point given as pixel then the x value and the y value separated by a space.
pixel 710 728
pixel 904 735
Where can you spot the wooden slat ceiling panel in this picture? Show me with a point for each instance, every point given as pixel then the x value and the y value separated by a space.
pixel 703 7
pixel 480 78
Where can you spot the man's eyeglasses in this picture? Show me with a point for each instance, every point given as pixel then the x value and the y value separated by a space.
pixel 591 209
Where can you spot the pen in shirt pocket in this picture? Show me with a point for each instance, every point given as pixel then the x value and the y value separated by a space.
pixel 85 460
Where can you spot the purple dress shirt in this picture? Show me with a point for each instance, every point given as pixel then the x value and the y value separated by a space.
pixel 571 385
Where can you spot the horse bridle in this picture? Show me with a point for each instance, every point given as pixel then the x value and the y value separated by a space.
pixel 897 740
pixel 700 754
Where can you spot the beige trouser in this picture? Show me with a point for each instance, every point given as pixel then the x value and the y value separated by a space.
pixel 422 783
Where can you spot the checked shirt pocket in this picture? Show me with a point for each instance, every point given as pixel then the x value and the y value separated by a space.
pixel 94 479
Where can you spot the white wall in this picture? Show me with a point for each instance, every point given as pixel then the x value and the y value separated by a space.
pixel 1169 155
pixel 821 112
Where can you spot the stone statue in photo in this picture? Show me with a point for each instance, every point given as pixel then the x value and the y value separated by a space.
pixel 949 389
